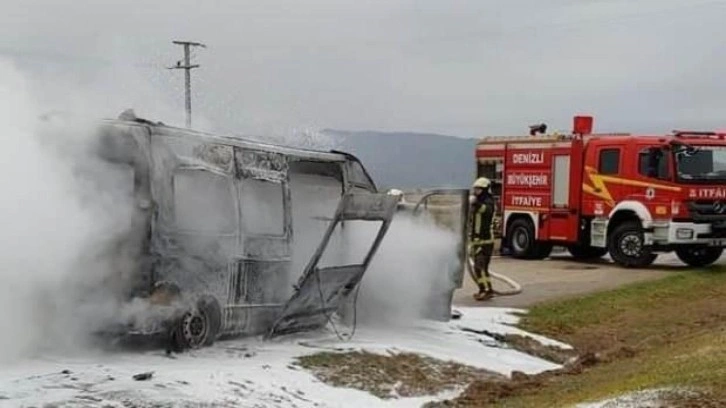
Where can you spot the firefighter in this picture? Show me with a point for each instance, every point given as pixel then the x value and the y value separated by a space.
pixel 481 235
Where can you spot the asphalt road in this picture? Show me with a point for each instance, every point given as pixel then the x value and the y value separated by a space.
pixel 560 276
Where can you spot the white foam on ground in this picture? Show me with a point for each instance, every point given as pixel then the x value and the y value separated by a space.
pixel 501 320
pixel 650 398
pixel 253 373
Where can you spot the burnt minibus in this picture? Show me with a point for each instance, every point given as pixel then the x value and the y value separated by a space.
pixel 235 237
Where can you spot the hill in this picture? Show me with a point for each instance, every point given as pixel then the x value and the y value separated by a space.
pixel 410 160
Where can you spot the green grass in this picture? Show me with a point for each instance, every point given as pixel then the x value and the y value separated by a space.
pixel 676 326
pixel 695 362
pixel 665 333
pixel 652 305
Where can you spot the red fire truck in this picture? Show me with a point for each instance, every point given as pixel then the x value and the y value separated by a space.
pixel 632 196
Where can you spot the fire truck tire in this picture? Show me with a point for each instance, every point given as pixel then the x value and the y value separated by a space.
pixel 626 245
pixel 586 253
pixel 542 250
pixel 699 257
pixel 522 240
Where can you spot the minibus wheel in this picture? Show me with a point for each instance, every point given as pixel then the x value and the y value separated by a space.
pixel 198 326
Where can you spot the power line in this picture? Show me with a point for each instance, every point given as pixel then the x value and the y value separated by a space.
pixel 187 67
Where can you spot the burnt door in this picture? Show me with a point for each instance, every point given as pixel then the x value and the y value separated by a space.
pixel 447 210
pixel 260 280
pixel 335 268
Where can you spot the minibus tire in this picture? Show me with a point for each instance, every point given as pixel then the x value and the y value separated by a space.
pixel 199 326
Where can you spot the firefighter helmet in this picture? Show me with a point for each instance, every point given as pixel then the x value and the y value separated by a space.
pixel 482 182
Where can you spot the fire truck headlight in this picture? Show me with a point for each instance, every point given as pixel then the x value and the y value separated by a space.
pixel 684 233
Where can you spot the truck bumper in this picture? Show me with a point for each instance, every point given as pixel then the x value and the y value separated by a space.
pixel 683 233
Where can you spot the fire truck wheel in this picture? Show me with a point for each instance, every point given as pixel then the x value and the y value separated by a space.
pixel 585 253
pixel 699 257
pixel 542 250
pixel 521 239
pixel 626 245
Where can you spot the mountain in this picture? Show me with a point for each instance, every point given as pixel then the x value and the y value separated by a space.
pixel 410 160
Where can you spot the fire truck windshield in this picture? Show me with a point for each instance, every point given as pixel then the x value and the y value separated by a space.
pixel 701 164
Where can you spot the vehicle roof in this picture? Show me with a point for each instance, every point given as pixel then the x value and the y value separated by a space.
pixel 696 139
pixel 555 137
pixel 693 138
pixel 233 140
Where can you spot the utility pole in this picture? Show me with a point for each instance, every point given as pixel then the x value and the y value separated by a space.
pixel 187 67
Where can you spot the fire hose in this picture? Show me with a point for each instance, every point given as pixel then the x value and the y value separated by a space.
pixel 516 287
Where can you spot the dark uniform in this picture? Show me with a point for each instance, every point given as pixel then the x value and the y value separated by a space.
pixel 481 241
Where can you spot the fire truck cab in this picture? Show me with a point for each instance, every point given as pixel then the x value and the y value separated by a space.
pixel 632 196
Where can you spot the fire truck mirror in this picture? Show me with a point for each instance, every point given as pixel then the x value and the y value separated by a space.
pixel 682 148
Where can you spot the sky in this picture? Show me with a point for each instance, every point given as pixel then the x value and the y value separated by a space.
pixel 468 68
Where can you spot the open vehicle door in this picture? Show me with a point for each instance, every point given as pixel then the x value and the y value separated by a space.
pixel 323 286
pixel 448 209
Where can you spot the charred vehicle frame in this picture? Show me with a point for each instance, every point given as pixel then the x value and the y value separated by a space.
pixel 212 235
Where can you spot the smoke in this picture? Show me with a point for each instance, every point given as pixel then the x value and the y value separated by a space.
pixel 62 211
pixel 411 276
pixel 413 272
pixel 303 137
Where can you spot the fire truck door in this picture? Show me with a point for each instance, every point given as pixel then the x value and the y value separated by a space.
pixel 563 215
